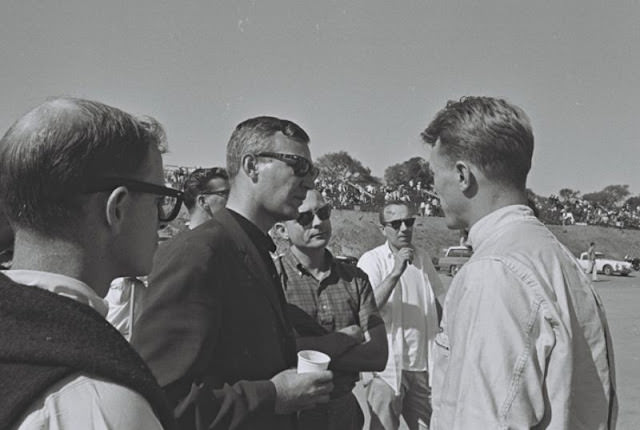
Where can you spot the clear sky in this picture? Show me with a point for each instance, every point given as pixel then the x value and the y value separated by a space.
pixel 363 76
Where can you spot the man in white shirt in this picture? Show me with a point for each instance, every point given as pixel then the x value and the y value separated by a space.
pixel 82 185
pixel 524 340
pixel 405 285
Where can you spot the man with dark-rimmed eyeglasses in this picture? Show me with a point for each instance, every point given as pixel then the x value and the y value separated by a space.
pixel 406 287
pixel 125 293
pixel 82 185
pixel 214 328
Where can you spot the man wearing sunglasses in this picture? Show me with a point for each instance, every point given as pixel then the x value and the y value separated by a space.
pixel 81 183
pixel 405 285
pixel 214 328
pixel 205 192
pixel 333 310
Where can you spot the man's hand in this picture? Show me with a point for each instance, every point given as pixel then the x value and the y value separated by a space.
pixel 354 332
pixel 296 391
pixel 402 259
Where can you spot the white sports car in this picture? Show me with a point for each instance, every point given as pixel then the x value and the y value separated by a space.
pixel 608 266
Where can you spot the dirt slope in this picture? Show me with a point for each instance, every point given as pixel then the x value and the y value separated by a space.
pixel 355 232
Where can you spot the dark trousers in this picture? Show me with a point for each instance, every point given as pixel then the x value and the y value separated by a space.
pixel 343 413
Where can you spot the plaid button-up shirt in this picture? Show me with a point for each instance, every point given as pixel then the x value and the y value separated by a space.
pixel 341 299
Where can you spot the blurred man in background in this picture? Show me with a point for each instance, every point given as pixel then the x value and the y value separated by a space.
pixel 205 192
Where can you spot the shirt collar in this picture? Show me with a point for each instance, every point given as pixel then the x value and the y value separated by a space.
pixel 262 241
pixel 388 252
pixel 487 225
pixel 291 258
pixel 61 285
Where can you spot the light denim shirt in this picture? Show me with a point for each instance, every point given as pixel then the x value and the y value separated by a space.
pixel 524 341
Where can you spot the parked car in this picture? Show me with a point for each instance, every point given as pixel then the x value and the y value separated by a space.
pixel 608 266
pixel 453 259
pixel 347 259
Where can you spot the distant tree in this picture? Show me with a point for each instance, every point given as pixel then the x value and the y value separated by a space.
pixel 567 194
pixel 343 167
pixel 633 202
pixel 416 168
pixel 611 195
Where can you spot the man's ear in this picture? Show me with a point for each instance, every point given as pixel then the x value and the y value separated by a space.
pixel 381 227
pixel 467 179
pixel 281 231
pixel 250 166
pixel 117 205
pixel 465 175
pixel 201 200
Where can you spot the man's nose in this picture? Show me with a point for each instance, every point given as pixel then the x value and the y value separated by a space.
pixel 308 182
pixel 316 221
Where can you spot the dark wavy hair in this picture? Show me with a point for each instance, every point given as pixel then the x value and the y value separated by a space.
pixel 255 135
pixel 490 133
pixel 197 181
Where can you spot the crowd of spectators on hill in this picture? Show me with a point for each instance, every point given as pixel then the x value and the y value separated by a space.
pixel 345 195
pixel 554 210
pixel 371 197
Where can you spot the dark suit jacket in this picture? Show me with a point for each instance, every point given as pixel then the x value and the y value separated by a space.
pixel 214 315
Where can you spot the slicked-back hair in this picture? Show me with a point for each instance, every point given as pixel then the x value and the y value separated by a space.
pixel 48 156
pixel 197 181
pixel 256 135
pixel 394 203
pixel 490 133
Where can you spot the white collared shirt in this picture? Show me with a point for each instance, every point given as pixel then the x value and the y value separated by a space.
pixel 124 298
pixel 409 315
pixel 524 341
pixel 81 401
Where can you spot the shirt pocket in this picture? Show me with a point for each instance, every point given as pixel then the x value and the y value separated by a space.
pixel 441 352
pixel 442 345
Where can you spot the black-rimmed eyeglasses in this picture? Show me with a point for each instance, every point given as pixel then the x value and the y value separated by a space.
pixel 305 218
pixel 300 165
pixel 168 203
pixel 397 223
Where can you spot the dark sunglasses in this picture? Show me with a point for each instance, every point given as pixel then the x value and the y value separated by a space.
pixel 395 224
pixel 221 193
pixel 168 204
pixel 300 165
pixel 306 218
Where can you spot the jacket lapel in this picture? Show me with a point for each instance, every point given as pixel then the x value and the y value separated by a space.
pixel 254 264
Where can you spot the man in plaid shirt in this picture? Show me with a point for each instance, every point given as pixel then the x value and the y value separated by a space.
pixel 333 310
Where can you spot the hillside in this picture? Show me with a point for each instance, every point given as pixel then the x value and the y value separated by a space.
pixel 355 232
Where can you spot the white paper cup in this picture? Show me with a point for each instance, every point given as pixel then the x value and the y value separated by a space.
pixel 312 361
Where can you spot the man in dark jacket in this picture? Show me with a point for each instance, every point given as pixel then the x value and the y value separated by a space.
pixel 82 185
pixel 214 329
